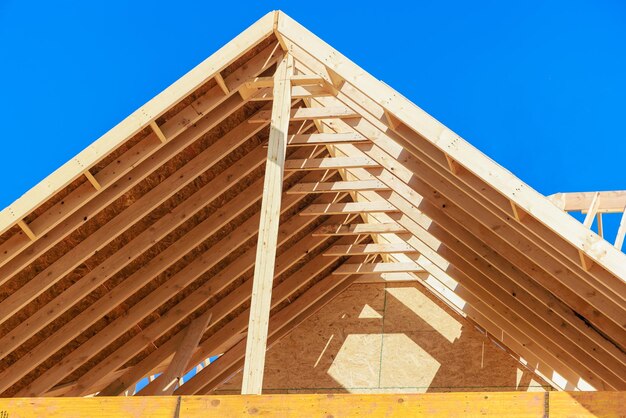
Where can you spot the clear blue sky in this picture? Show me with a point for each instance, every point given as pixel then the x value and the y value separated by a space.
pixel 539 86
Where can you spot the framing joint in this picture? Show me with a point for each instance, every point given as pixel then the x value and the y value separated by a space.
pixel 158 131
pixel 96 185
pixel 29 232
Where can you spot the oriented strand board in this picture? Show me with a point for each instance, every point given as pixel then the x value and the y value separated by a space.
pixel 393 338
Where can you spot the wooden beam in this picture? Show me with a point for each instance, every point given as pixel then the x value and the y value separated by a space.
pixel 296 80
pixel 297 92
pixel 455 168
pixel 93 180
pixel 330 163
pixel 391 278
pixel 358 229
pixel 268 231
pixel 326 139
pixel 26 229
pixel 221 83
pixel 377 268
pixel 366 249
pixel 610 202
pixel 349 208
pixel 393 122
pixel 621 232
pixel 180 363
pixel 337 186
pixel 592 210
pixel 158 132
pixel 306 113
pixel 450 404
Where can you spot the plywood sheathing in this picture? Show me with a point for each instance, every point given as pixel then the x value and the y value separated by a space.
pixel 394 338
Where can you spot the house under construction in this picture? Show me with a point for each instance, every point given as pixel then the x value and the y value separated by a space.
pixel 279 222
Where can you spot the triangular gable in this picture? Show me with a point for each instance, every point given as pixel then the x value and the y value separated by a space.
pixel 414 199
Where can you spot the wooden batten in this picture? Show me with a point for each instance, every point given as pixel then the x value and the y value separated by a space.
pixel 306 113
pixel 94 182
pixel 219 80
pixel 358 229
pixel 158 132
pixel 26 229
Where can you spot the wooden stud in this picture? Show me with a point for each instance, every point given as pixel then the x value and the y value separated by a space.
pixel 358 229
pixel 268 231
pixel 299 140
pixel 306 113
pixel 158 132
pixel 338 186
pixel 518 213
pixel 593 209
pixel 377 268
pixel 179 364
pixel 348 208
pixel 26 229
pixel 621 232
pixel 455 168
pixel 93 180
pixel 330 163
pixel 365 249
pixel 600 225
pixel 221 83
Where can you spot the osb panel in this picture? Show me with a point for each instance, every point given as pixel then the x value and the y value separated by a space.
pixel 377 338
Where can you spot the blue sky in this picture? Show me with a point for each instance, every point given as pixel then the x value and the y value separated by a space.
pixel 539 86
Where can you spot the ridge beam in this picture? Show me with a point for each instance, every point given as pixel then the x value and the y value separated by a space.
pixel 378 268
pixel 338 186
pixel 359 229
pixel 310 113
pixel 256 342
pixel 368 249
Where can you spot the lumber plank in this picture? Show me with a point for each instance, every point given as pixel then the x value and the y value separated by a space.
pixel 349 208
pixel 268 230
pixel 179 364
pixel 306 113
pixel 296 80
pixel 451 404
pixel 329 163
pixel 377 268
pixel 297 92
pixel 367 249
pixel 610 201
pixel 337 186
pixel 358 229
pixel 325 139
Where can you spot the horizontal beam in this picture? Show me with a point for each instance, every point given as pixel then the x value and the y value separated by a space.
pixel 358 229
pixel 297 92
pixel 490 404
pixel 325 139
pixel 296 80
pixel 338 186
pixel 367 249
pixel 330 163
pixel 306 113
pixel 609 202
pixel 349 208
pixel 377 268
pixel 391 278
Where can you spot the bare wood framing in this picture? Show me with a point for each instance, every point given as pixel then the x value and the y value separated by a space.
pixel 268 231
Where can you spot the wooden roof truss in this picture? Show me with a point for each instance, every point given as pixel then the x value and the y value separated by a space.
pixel 267 180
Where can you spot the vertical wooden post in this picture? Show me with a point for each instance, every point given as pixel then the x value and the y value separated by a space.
pixel 268 231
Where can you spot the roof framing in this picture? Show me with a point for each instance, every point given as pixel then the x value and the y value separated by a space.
pixel 138 256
